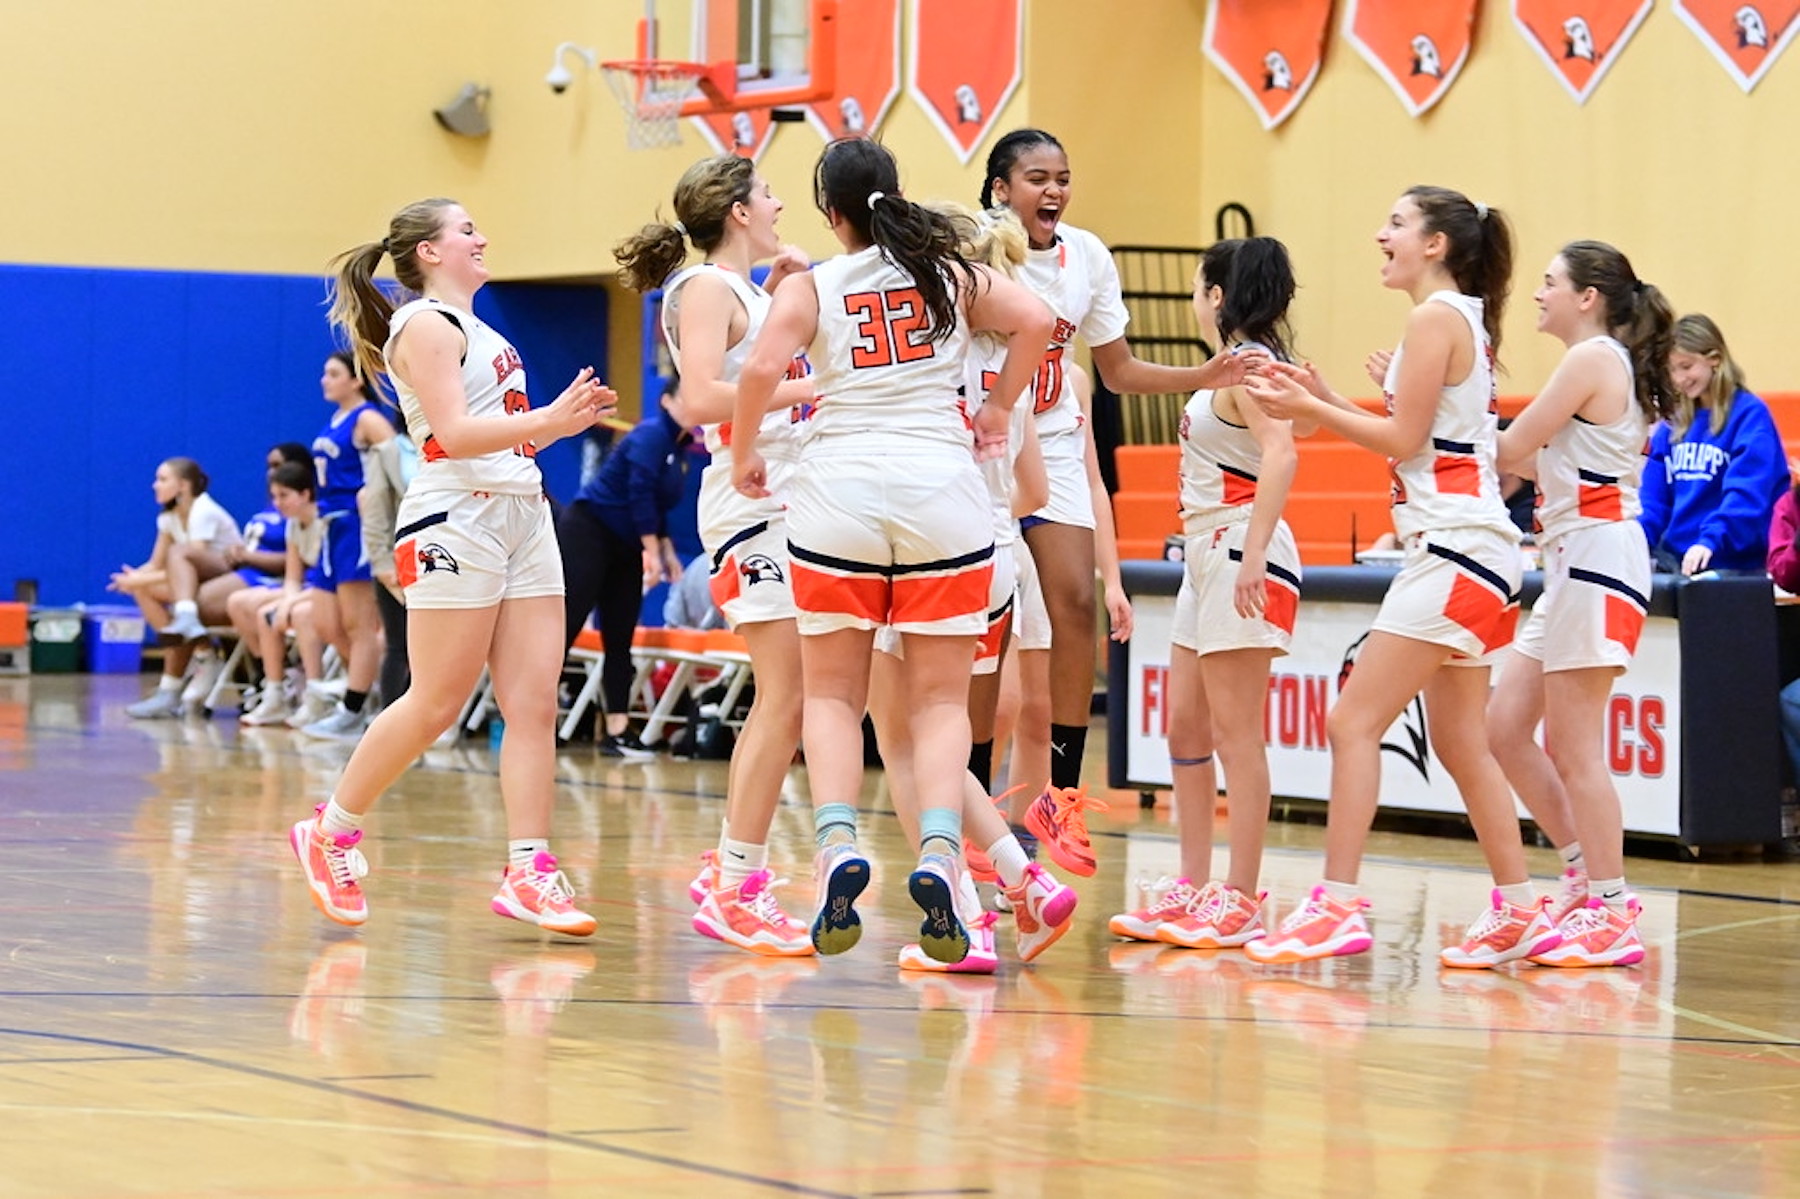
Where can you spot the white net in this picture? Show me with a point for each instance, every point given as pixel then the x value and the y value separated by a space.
pixel 652 93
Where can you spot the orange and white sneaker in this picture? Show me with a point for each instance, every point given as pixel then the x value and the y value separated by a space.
pixel 1571 894
pixel 1225 918
pixel 1503 934
pixel 539 894
pixel 1058 819
pixel 1596 935
pixel 983 956
pixel 1322 927
pixel 748 917
pixel 1173 898
pixel 333 866
pixel 1043 910
pixel 707 879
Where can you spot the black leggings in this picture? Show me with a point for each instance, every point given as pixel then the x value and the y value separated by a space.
pixel 603 571
pixel 396 672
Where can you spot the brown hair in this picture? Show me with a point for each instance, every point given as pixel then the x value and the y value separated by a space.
pixel 359 309
pixel 1695 333
pixel 704 198
pixel 1637 312
pixel 186 468
pixel 1480 257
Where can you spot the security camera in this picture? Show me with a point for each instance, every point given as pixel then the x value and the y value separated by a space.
pixel 559 77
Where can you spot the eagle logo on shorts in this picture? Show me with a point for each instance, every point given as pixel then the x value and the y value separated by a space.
pixel 760 568
pixel 434 557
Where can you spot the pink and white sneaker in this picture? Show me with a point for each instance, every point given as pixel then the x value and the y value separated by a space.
pixel 539 894
pixel 1503 934
pixel 333 867
pixel 1174 901
pixel 1571 894
pixel 983 956
pixel 1597 935
pixel 1043 910
pixel 1322 927
pixel 749 917
pixel 1225 918
pixel 707 879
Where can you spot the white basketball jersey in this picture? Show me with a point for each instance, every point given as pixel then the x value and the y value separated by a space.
pixel 1588 474
pixel 493 383
pixel 1076 277
pixel 983 363
pixel 778 440
pixel 881 380
pixel 1220 463
pixel 1451 482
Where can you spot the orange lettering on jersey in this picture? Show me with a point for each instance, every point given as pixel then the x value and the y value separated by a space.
pixel 505 363
pixel 515 402
pixel 432 451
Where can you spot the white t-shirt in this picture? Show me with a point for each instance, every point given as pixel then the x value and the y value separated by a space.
pixel 207 524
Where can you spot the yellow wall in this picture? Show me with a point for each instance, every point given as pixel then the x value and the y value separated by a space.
pixel 262 135
pixel 1667 160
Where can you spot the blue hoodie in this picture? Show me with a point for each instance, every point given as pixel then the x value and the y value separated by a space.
pixel 1716 490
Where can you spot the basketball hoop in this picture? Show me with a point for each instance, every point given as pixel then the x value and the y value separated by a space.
pixel 652 91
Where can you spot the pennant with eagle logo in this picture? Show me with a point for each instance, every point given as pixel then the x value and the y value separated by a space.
pixel 1418 46
pixel 1579 40
pixel 1745 38
pixel 1270 50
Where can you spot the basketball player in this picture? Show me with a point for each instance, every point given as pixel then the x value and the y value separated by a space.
pixel 878 508
pixel 1234 614
pixel 476 556
pixel 1071 271
pixel 711 315
pixel 1583 438
pixel 1455 600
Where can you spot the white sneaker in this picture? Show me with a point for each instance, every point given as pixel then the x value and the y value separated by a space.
pixel 331 689
pixel 271 708
pixel 312 708
pixel 158 705
pixel 202 680
pixel 185 625
pixel 341 725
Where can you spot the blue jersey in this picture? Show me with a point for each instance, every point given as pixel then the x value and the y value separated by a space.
pixel 338 460
pixel 264 533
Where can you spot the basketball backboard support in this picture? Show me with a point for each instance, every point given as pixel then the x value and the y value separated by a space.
pixel 752 54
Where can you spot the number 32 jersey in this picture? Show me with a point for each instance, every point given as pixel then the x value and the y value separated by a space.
pixel 877 372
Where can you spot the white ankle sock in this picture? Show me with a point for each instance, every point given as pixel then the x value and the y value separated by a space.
pixel 1519 895
pixel 1610 891
pixel 738 860
pixel 524 851
pixel 1342 892
pixel 1009 859
pixel 336 820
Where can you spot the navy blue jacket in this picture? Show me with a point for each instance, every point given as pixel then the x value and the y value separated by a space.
pixel 641 480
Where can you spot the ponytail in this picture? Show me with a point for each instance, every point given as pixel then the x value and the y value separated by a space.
pixel 359 309
pixel 859 180
pixel 1257 280
pixel 1480 257
pixel 704 198
pixel 1637 313
pixel 650 255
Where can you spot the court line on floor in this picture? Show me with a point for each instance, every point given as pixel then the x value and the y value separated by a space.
pixel 414 1107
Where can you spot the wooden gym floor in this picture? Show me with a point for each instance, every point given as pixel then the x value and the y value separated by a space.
pixel 179 1021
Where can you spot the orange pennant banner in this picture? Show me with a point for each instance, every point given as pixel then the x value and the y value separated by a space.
pixel 746 133
pixel 966 62
pixel 1418 46
pixel 1579 40
pixel 1269 49
pixel 868 71
pixel 1745 38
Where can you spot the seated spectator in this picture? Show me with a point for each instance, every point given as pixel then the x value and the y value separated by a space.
pixel 294 490
pixel 615 547
pixel 1716 469
pixel 192 535
pixel 689 604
